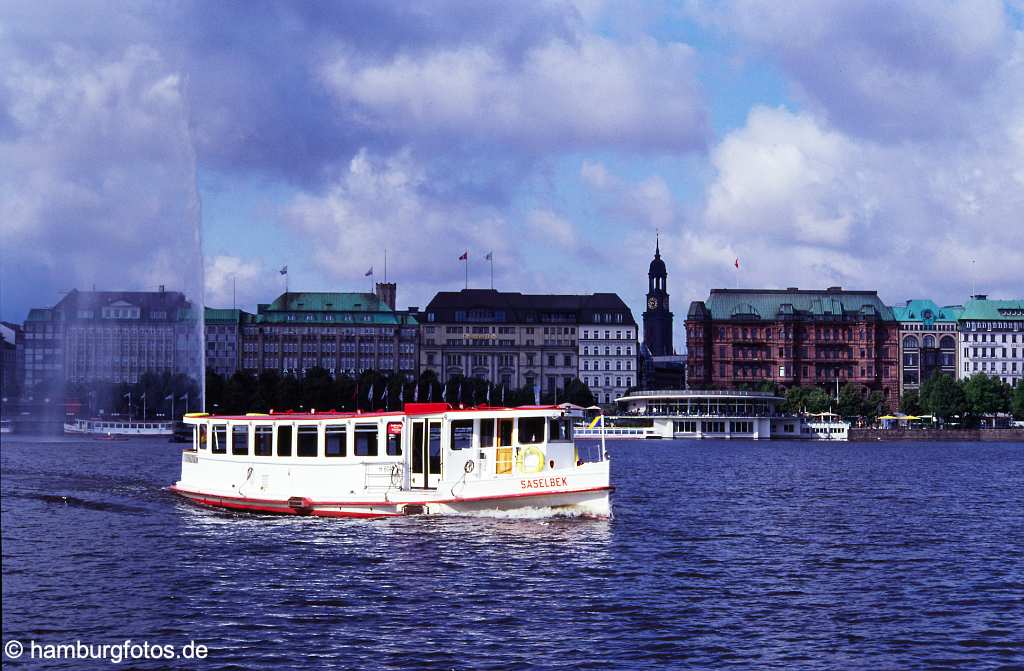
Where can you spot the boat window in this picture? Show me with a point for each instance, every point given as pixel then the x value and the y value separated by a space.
pixel 394 444
pixel 284 441
pixel 531 430
pixel 307 439
pixel 220 439
pixel 263 441
pixel 486 433
pixel 201 430
pixel 336 440
pixel 559 430
pixel 240 439
pixel 434 449
pixel 462 434
pixel 366 440
pixel 505 432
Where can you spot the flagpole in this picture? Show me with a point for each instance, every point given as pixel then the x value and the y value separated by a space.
pixel 467 268
pixel 385 265
pixel 491 255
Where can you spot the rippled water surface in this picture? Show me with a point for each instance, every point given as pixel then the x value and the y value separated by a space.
pixel 753 555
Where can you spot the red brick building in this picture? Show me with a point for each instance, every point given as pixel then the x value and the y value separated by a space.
pixel 793 337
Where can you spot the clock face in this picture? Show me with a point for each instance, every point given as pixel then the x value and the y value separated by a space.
pixel 652 303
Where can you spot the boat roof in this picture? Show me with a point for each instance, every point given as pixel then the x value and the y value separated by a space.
pixel 410 409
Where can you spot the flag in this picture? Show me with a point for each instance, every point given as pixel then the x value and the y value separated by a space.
pixel 142 397
pixel 416 393
pixel 737 263
pixel 597 420
pixel 444 391
pixel 503 394
pixel 401 394
pixel 536 394
pixel 183 397
pixel 488 394
pixel 368 272
pixel 128 395
pixel 465 256
pixel 369 396
pixel 489 257
pixel 284 270
pixel 169 397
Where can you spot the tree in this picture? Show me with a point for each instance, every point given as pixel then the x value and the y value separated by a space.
pixel 986 395
pixel 851 400
pixel 1018 401
pixel 874 405
pixel 318 391
pixel 943 397
pixel 239 394
pixel 910 402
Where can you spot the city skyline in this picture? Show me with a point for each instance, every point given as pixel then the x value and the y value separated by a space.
pixel 800 141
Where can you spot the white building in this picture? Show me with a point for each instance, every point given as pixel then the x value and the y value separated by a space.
pixel 608 354
pixel 992 339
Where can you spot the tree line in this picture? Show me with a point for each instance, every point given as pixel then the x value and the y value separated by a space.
pixel 968 400
pixel 317 389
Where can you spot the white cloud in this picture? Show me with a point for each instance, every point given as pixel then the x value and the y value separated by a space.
pixel 97 176
pixel 806 205
pixel 875 68
pixel 232 280
pixel 582 93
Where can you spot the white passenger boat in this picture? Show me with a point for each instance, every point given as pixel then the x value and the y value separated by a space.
pixel 429 458
pixel 119 427
pixel 825 426
pixel 6 426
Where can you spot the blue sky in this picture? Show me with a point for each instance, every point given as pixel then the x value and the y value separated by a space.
pixel 873 145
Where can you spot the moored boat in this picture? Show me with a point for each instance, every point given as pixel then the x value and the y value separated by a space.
pixel 119 427
pixel 429 458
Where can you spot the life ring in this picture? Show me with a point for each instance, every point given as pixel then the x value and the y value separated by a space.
pixel 531 459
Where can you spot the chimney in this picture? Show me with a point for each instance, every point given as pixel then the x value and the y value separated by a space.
pixel 161 288
pixel 834 290
pixel 386 292
pixel 980 297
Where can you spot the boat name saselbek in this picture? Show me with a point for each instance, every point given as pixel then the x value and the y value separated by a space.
pixel 543 483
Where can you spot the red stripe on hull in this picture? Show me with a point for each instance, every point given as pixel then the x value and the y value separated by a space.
pixel 219 502
pixel 473 499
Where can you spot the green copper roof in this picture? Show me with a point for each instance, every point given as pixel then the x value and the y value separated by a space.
pixel 223 315
pixel 926 312
pixel 982 308
pixel 770 303
pixel 319 301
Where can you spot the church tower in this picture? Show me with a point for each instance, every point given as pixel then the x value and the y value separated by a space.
pixel 657 318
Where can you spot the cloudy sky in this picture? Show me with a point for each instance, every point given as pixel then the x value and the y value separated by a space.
pixel 869 144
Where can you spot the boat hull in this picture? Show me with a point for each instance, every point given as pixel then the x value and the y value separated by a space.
pixel 589 502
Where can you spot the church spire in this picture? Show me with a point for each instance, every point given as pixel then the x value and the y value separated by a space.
pixel 657 243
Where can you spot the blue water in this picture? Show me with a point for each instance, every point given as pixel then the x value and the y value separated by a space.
pixel 751 555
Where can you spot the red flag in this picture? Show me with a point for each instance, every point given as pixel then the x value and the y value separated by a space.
pixel 737 263
pixel 465 256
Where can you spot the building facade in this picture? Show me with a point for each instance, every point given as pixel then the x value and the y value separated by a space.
pixel 345 333
pixel 992 339
pixel 223 339
pixel 516 340
pixel 12 351
pixel 928 341
pixel 111 336
pixel 792 337
pixel 657 316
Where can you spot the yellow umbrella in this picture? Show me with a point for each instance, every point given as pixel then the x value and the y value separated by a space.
pixel 911 417
pixel 888 417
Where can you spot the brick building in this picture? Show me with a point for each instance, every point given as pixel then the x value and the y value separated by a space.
pixel 792 337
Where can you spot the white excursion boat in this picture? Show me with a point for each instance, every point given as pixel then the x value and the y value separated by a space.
pixel 429 458
pixel 120 427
